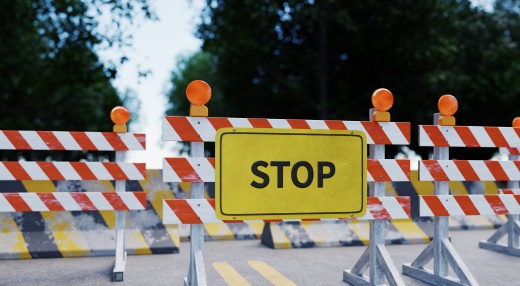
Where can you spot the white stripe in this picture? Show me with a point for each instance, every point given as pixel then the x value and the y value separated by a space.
pixel 510 136
pixel 204 210
pixel 317 124
pixel 240 122
pixel 169 216
pixel 67 201
pixel 131 201
pixel 511 204
pixel 5 206
pixel 452 137
pixel 66 139
pixel 393 207
pixel 369 177
pixel 33 170
pixel 203 127
pixel 356 125
pixel 131 171
pixel 34 140
pixel 5 144
pixel 131 141
pixel 511 170
pixel 393 132
pixel 203 168
pixel 451 170
pixel 424 208
pixel 99 141
pixel 34 202
pixel 67 171
pixel 481 170
pixel 481 136
pixel 5 174
pixel 100 171
pixel 394 170
pixel 168 133
pixel 99 201
pixel 424 139
pixel 424 174
pixel 368 216
pixel 168 174
pixel 280 123
pixel 481 204
pixel 503 151
pixel 451 205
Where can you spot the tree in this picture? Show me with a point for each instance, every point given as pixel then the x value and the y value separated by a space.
pixel 52 78
pixel 322 59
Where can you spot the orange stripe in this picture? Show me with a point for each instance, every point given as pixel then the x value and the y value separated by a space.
pixel 17 202
pixel 375 131
pixel 435 205
pixel 141 197
pixel 335 125
pixel 377 171
pixel 466 170
pixel 405 129
pixel 83 170
pixel 435 170
pixel 182 126
pixel 517 198
pixel 466 205
pixel 219 122
pixel 405 204
pixel 211 161
pixel 141 138
pixel 435 135
pixel 83 201
pixel 466 136
pixel 83 141
pixel 183 211
pixel 405 167
pixel 378 211
pixel 17 171
pixel 260 123
pixel 50 140
pixel 115 171
pixel 496 136
pixel 115 201
pixel 17 140
pixel 184 170
pixel 298 124
pixel 51 171
pixel 496 204
pixel 497 171
pixel 115 141
pixel 50 201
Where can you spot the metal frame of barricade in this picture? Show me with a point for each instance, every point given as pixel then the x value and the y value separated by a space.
pixel 198 128
pixel 442 135
pixel 120 202
pixel 511 228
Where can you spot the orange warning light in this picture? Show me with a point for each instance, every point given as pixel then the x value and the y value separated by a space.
pixel 198 92
pixel 119 115
pixel 448 105
pixel 516 122
pixel 382 99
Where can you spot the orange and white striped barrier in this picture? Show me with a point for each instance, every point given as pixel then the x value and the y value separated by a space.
pixel 200 211
pixel 204 129
pixel 509 191
pixel 72 141
pixel 468 136
pixel 24 170
pixel 203 170
pixel 450 205
pixel 65 201
pixel 468 170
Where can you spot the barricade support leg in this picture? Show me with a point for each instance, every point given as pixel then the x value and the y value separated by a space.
pixel 120 263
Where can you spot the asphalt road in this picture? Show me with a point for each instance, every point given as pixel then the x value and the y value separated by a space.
pixel 250 263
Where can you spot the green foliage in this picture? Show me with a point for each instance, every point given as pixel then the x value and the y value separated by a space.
pixel 322 59
pixel 52 78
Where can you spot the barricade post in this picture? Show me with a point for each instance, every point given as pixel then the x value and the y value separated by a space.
pixel 88 201
pixel 511 228
pixel 376 256
pixel 199 169
pixel 442 135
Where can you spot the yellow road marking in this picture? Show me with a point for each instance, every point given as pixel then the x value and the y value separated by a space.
pixel 271 274
pixel 230 275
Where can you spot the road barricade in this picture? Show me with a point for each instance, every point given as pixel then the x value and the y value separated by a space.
pixel 50 202
pixel 442 135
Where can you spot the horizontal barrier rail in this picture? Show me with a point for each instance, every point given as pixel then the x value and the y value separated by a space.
pixel 468 136
pixel 448 205
pixel 72 141
pixel 203 129
pixel 203 170
pixel 65 201
pixel 469 170
pixel 25 170
pixel 200 211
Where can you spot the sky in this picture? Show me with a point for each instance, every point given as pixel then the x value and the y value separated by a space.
pixel 156 46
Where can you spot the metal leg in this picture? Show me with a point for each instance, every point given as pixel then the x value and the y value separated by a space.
pixel 120 263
